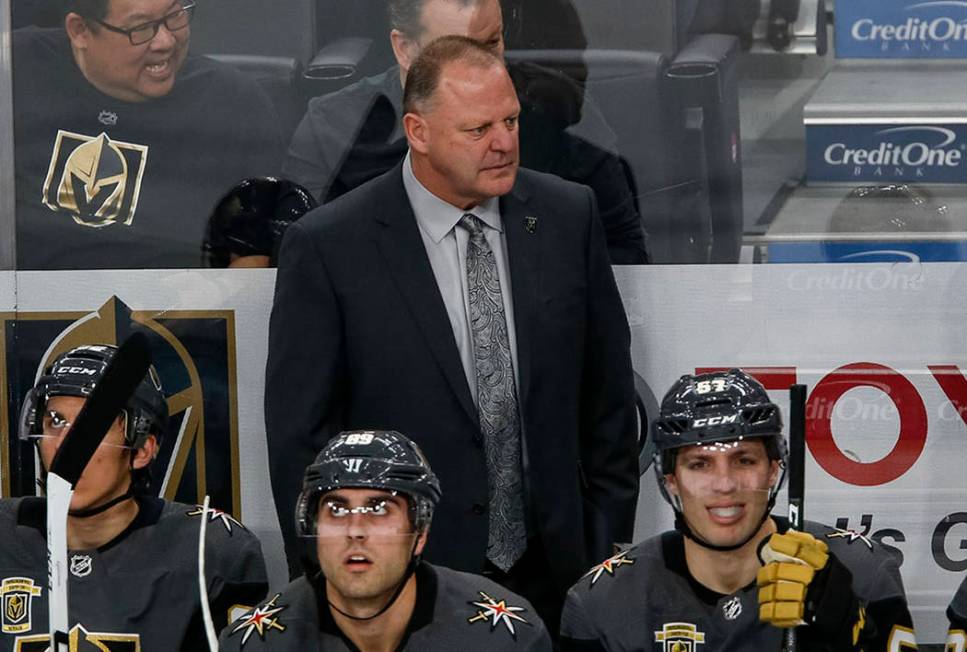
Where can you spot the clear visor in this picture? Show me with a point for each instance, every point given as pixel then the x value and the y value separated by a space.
pixel 339 517
pixel 739 469
pixel 52 426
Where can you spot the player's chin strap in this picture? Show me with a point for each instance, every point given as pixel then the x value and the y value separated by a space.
pixel 87 512
pixel 410 569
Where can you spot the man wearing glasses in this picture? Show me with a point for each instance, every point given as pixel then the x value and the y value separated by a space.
pixel 132 557
pixel 124 141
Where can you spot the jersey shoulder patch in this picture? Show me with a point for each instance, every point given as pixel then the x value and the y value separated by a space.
pixel 497 613
pixel 609 567
pixel 262 620
pixel 229 522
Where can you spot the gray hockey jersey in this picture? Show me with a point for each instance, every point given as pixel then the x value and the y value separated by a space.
pixel 454 611
pixel 644 599
pixel 139 592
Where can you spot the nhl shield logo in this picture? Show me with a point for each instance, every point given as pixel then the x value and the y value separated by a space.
pixel 680 637
pixel 81 565
pixel 18 594
pixel 732 609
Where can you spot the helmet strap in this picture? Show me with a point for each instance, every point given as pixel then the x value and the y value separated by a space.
pixel 410 569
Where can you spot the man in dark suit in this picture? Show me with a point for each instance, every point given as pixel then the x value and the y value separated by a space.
pixel 471 306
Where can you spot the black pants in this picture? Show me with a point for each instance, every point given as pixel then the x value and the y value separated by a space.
pixel 532 578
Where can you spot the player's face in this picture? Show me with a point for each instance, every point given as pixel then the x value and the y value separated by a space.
pixel 481 21
pixel 365 542
pixel 723 488
pixel 134 73
pixel 468 134
pixel 108 473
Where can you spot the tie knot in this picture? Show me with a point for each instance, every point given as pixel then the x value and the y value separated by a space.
pixel 472 223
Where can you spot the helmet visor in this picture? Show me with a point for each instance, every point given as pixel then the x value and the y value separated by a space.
pixel 348 512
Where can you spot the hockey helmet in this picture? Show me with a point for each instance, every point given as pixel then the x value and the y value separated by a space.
pixel 712 408
pixel 369 459
pixel 76 373
pixel 251 219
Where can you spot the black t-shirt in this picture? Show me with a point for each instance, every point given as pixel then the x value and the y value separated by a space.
pixel 104 183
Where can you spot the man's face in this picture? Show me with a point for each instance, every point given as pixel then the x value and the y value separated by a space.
pixel 481 21
pixel 467 135
pixel 134 73
pixel 723 488
pixel 108 473
pixel 365 542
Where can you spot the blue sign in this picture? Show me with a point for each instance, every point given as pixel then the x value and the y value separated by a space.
pixel 913 251
pixel 901 29
pixel 866 153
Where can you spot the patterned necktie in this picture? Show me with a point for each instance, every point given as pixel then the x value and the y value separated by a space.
pixel 496 401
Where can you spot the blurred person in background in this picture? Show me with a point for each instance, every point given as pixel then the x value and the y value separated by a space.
pixel 123 140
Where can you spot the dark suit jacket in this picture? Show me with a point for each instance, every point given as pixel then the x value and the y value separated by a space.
pixel 359 338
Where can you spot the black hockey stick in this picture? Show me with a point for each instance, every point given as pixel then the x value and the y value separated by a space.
pixel 121 377
pixel 797 475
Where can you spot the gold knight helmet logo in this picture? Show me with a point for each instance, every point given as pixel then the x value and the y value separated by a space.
pixel 95 179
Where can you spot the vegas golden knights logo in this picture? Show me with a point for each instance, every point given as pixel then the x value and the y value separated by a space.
pixel 95 179
pixel 17 595
pixel 81 640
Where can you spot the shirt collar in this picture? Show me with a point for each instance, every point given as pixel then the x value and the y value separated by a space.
pixel 437 217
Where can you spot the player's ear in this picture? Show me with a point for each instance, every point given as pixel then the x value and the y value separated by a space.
pixel 414 125
pixel 77 30
pixel 774 469
pixel 671 484
pixel 405 49
pixel 421 541
pixel 146 453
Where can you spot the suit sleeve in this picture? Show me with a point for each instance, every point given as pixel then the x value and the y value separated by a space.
pixel 609 444
pixel 619 214
pixel 302 373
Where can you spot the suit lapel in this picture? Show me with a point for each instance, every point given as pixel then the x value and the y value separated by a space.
pixel 402 247
pixel 522 227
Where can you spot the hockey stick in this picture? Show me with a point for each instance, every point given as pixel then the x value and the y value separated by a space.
pixel 206 610
pixel 121 377
pixel 797 475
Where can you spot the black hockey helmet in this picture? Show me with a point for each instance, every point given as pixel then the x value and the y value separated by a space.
pixel 710 408
pixel 369 459
pixel 76 373
pixel 251 219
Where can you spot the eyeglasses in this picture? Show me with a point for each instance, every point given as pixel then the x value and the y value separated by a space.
pixel 145 32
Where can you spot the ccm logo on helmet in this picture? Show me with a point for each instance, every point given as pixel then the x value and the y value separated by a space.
pixel 714 421
pixel 76 370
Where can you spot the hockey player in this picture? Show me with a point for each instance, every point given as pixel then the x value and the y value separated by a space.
pixel 132 557
pixel 719 459
pixel 363 518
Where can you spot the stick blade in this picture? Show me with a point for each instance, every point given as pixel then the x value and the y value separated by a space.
pixel 120 380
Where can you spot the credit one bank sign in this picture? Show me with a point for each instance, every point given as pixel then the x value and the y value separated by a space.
pixel 884 153
pixel 906 29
